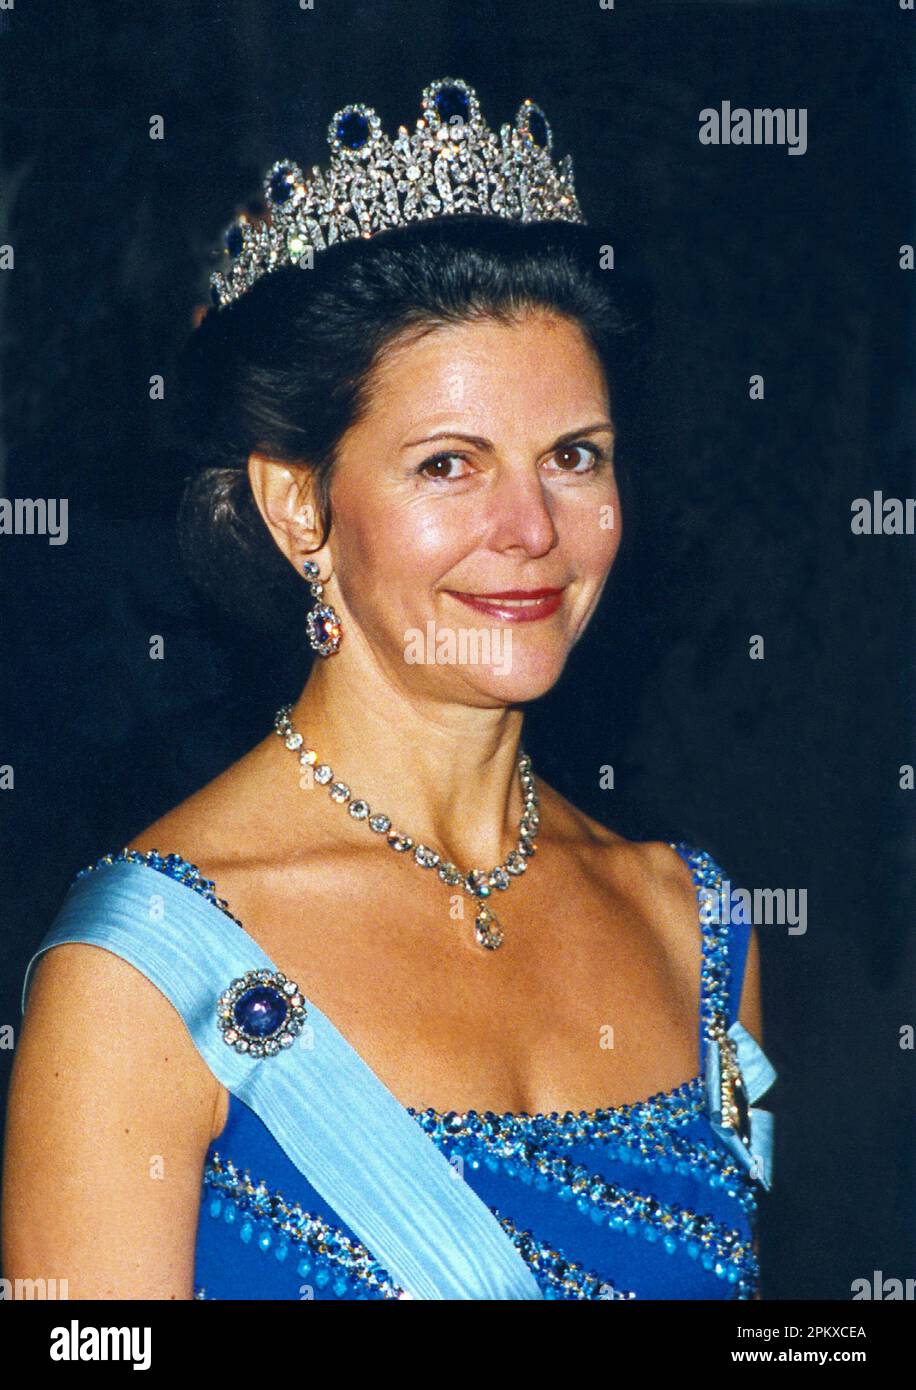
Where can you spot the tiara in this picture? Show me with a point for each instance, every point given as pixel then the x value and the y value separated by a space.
pixel 452 164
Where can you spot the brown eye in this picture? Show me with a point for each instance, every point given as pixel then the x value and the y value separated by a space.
pixel 570 457
pixel 438 467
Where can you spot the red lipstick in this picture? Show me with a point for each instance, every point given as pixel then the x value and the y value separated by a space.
pixel 513 605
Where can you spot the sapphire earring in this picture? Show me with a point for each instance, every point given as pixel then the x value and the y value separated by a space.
pixel 323 622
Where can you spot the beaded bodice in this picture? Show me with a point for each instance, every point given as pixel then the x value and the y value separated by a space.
pixel 636 1201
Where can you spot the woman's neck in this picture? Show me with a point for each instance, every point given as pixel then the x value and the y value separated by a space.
pixel 446 774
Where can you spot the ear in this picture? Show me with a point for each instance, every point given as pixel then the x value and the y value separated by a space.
pixel 285 496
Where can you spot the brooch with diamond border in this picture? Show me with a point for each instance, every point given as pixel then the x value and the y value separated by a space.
pixel 261 1013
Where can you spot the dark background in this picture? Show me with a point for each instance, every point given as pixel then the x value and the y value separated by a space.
pixel 754 260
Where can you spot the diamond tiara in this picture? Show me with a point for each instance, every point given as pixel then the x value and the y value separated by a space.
pixel 452 164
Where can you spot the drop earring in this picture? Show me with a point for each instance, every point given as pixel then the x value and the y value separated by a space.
pixel 323 622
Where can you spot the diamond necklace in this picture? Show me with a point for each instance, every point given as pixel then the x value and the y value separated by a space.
pixel 477 883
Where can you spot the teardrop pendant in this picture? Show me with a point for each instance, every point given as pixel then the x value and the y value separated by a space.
pixel 487 930
pixel 479 883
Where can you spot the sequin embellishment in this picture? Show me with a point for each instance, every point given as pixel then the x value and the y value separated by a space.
pixel 324 1254
pixel 329 1258
pixel 643 1134
pixel 172 865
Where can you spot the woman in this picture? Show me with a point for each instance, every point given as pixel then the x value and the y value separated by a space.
pixel 341 1055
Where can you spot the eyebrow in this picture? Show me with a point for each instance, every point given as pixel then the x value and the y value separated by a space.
pixel 482 443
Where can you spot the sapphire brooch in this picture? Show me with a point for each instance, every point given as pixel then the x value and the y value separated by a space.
pixel 261 1013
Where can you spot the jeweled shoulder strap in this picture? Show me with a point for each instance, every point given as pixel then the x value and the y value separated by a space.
pixel 271 1047
pixel 736 1069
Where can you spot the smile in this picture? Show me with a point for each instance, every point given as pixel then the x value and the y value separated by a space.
pixel 514 605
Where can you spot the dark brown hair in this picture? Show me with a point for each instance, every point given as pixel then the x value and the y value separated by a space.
pixel 286 370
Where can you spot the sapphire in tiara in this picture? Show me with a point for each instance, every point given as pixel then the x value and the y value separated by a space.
pixel 261 1013
pixel 353 129
pixel 451 102
pixel 451 163
pixel 234 240
pixel 280 185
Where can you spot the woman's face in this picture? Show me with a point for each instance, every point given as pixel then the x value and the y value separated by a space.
pixel 483 466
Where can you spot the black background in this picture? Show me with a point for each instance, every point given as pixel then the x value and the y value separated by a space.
pixel 753 261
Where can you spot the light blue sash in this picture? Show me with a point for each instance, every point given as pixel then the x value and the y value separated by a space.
pixel 341 1126
pixel 758 1074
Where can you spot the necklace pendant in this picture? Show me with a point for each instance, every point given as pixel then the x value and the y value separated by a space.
pixel 487 930
pixel 480 884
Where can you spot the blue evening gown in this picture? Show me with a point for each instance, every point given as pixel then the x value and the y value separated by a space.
pixel 323 1186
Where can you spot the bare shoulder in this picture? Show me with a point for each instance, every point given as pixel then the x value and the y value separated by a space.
pixel 648 879
pixel 106 1087
pixel 144 1040
pixel 651 866
pixel 248 831
pixel 219 825
pixel 150 1096
pixel 75 984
